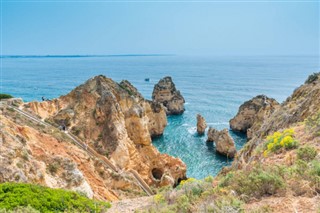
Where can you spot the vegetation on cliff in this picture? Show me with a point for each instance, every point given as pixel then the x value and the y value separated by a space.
pixel 279 164
pixel 293 173
pixel 5 96
pixel 43 199
pixel 280 140
pixel 312 78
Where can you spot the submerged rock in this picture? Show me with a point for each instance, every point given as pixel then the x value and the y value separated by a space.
pixel 223 141
pixel 165 92
pixel 252 112
pixel 201 124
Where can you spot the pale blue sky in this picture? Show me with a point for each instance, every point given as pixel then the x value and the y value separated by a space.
pixel 183 28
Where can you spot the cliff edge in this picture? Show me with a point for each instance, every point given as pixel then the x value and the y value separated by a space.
pixel 278 169
pixel 110 119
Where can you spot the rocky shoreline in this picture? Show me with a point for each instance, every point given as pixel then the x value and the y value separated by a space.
pixel 277 170
pixel 115 121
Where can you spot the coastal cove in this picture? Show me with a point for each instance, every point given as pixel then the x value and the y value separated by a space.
pixel 212 86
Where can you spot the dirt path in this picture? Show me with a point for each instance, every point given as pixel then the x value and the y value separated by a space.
pixel 130 205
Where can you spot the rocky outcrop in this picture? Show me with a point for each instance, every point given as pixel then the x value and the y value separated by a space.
pixel 14 101
pixel 201 124
pixel 157 118
pixel 116 121
pixel 212 133
pixel 165 92
pixel 223 141
pixel 33 153
pixel 303 103
pixel 252 113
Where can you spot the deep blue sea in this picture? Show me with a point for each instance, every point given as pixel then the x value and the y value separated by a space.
pixel 213 86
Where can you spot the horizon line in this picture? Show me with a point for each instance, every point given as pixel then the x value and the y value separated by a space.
pixel 81 55
pixel 134 55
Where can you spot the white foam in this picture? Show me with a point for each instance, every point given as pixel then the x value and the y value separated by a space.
pixel 192 130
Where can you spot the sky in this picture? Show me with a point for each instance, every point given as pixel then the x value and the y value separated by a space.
pixel 159 27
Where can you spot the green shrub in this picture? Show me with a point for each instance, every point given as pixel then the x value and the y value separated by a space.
pixel 226 179
pixel 256 182
pixel 313 124
pixel 53 167
pixel 163 189
pixel 313 121
pixel 20 209
pixel 5 96
pixel 193 188
pixel 300 167
pixel 262 209
pixel 309 171
pixel 183 203
pixel 313 77
pixel 209 179
pixel 25 155
pixel 315 168
pixel 159 198
pixel 183 197
pixel 43 199
pixel 314 173
pixel 226 204
pixel 306 153
pixel 131 93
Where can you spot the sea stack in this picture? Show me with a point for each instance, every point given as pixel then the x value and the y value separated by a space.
pixel 118 123
pixel 165 92
pixel 224 142
pixel 252 112
pixel 201 124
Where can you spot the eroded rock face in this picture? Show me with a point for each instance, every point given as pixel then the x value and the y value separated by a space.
pixel 303 102
pixel 157 118
pixel 33 153
pixel 201 124
pixel 252 112
pixel 117 122
pixel 212 134
pixel 165 92
pixel 223 141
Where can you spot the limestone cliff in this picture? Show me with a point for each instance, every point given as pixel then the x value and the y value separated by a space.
pixel 165 92
pixel 116 121
pixel 34 153
pixel 252 113
pixel 303 103
pixel 277 170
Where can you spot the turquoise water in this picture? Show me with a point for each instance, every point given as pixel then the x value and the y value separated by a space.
pixel 212 86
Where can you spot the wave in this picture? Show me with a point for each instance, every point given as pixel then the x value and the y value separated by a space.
pixel 192 130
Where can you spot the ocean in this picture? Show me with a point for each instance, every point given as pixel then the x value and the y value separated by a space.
pixel 214 86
